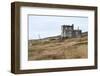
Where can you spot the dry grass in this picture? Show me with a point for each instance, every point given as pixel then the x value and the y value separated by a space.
pixel 55 49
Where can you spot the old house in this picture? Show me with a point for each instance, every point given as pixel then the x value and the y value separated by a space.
pixel 69 32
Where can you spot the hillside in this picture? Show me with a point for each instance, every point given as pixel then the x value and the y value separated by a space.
pixel 54 48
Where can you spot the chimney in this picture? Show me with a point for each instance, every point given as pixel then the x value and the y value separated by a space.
pixel 78 28
pixel 72 26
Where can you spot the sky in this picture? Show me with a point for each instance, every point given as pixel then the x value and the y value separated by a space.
pixel 42 26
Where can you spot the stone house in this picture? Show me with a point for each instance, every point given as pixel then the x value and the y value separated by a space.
pixel 68 31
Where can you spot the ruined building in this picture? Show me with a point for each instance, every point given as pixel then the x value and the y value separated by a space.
pixel 69 32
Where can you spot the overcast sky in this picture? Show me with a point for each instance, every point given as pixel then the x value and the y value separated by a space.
pixel 46 26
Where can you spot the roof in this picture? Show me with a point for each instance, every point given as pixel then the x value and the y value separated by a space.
pixel 67 26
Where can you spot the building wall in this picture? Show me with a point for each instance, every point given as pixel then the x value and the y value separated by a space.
pixel 77 33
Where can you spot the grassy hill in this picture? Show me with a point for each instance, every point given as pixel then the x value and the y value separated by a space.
pixel 55 48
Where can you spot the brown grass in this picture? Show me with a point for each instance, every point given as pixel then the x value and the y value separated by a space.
pixel 55 49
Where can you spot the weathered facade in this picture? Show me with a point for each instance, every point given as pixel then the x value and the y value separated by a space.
pixel 68 31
